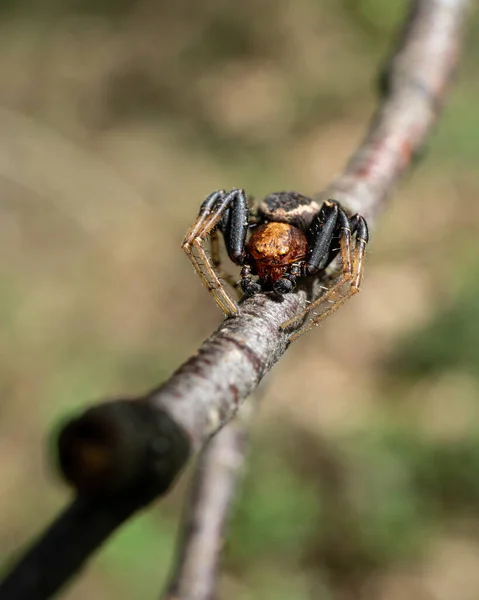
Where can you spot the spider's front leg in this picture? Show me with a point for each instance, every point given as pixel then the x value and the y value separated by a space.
pixel 331 224
pixel 227 211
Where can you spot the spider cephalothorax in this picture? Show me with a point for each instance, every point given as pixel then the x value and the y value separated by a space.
pixel 291 236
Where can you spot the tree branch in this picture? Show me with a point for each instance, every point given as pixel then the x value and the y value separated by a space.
pixel 208 509
pixel 120 456
pixel 413 85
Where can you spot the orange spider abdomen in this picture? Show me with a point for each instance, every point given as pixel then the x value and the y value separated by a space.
pixel 272 247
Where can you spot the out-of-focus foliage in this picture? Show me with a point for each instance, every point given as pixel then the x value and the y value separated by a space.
pixel 449 341
pixel 117 118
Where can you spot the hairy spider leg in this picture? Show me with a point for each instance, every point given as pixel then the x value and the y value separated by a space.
pixel 203 216
pixel 211 212
pixel 234 224
pixel 352 276
pixel 324 228
pixel 321 233
pixel 346 229
pixel 217 264
pixel 195 232
pixel 210 215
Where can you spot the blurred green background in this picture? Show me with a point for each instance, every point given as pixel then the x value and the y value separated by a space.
pixel 116 119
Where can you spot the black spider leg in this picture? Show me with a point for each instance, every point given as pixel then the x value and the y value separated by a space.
pixel 215 252
pixel 352 272
pixel 321 236
pixel 210 215
pixel 234 225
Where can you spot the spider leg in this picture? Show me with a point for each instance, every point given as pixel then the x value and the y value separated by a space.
pixel 211 213
pixel 323 230
pixel 197 232
pixel 234 227
pixel 348 284
pixel 216 260
pixel 347 228
pixel 343 224
pixel 202 218
pixel 321 233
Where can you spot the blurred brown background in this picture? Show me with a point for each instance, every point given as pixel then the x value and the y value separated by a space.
pixel 116 119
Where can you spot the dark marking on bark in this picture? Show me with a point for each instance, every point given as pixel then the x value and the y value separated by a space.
pixel 196 364
pixel 253 358
pixel 236 397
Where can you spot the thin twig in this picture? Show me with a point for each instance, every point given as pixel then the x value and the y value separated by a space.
pixel 121 455
pixel 208 509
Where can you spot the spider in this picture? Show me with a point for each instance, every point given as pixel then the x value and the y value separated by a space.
pixel 291 237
